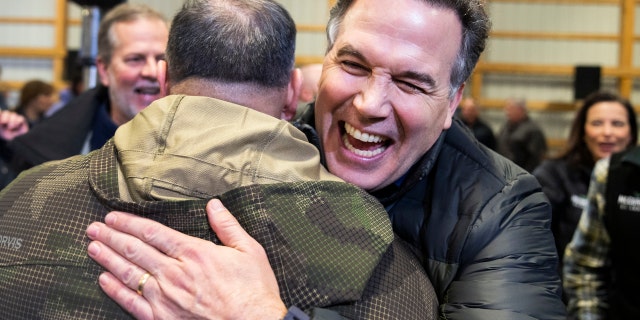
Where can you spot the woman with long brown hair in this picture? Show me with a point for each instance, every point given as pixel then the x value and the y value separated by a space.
pixel 604 124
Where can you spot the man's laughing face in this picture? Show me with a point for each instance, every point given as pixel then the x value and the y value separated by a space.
pixel 384 96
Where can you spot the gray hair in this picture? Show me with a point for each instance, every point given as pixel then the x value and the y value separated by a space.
pixel 518 102
pixel 125 12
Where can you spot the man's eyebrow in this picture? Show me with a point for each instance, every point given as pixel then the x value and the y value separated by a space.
pixel 349 50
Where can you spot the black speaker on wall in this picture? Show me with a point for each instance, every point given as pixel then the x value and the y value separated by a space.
pixel 72 65
pixel 586 80
pixel 105 5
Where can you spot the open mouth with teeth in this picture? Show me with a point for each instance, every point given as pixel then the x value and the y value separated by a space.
pixel 607 147
pixel 148 90
pixel 361 143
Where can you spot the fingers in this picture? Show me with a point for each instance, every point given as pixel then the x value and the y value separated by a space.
pixel 127 272
pixel 12 125
pixel 155 234
pixel 121 283
pixel 228 230
pixel 122 253
pixel 5 116
pixel 11 119
pixel 123 280
pixel 128 299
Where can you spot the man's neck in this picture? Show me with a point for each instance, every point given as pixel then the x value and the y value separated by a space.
pixel 266 100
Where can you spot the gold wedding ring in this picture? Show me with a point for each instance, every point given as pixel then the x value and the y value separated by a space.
pixel 141 283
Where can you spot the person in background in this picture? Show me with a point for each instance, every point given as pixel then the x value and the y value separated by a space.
pixel 469 113
pixel 384 114
pixel 601 264
pixel 604 124
pixel 220 121
pixel 131 40
pixel 36 97
pixel 520 139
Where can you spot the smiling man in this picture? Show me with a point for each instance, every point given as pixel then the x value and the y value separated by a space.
pixel 127 66
pixel 131 40
pixel 391 81
pixel 384 95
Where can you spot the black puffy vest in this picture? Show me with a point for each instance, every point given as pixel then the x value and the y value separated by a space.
pixel 622 220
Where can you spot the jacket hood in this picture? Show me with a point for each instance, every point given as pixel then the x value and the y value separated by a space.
pixel 183 147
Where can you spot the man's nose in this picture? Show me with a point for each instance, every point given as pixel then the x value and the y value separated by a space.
pixel 373 100
pixel 150 69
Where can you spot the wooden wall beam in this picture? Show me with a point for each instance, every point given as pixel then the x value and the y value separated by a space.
pixel 555 35
pixel 625 85
pixel 576 2
pixel 310 28
pixel 302 60
pixel 559 70
pixel 51 21
pixel 31 52
pixel 60 44
pixel 531 105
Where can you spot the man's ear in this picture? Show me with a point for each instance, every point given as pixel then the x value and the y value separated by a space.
pixel 453 105
pixel 102 71
pixel 163 78
pixel 293 93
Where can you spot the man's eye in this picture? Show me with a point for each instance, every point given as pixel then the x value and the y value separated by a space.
pixel 409 87
pixel 353 67
pixel 134 59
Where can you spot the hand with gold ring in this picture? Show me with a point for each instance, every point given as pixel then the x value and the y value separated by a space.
pixel 141 283
pixel 155 272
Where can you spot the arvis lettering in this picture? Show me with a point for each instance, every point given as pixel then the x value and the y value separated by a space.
pixel 10 242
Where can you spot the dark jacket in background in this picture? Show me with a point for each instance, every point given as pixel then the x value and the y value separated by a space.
pixel 483 133
pixel 622 207
pixel 3 101
pixel 566 187
pixel 523 143
pixel 62 135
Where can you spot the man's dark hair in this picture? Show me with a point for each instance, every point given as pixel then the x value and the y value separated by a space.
pixel 241 41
